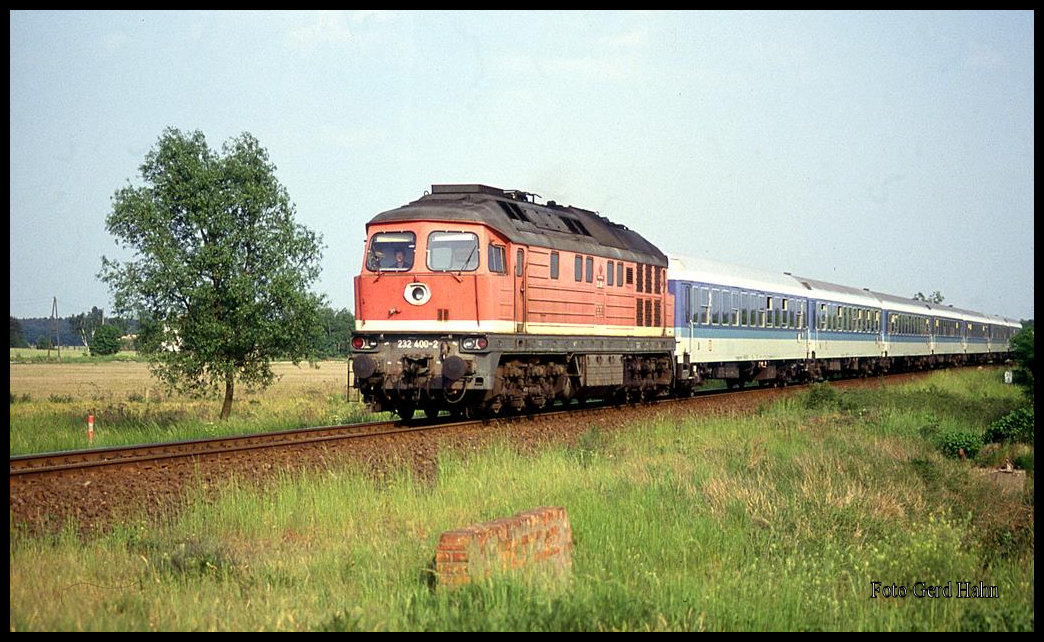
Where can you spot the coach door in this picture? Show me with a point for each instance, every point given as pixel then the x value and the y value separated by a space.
pixel 520 290
pixel 690 316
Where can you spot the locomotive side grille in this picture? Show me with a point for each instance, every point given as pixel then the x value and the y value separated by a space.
pixel 443 314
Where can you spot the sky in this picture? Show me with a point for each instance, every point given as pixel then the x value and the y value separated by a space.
pixel 892 151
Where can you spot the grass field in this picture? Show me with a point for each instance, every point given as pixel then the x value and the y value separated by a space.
pixel 778 520
pixel 50 403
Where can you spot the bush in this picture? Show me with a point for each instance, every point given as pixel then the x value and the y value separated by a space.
pixel 106 341
pixel 1024 462
pixel 1017 425
pixel 822 396
pixel 951 443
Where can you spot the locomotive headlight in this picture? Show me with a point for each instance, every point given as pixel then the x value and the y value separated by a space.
pixel 416 294
pixel 360 342
pixel 474 343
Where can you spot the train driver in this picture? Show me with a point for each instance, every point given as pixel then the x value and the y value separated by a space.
pixel 400 262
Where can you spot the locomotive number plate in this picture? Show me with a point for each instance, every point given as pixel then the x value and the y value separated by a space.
pixel 417 344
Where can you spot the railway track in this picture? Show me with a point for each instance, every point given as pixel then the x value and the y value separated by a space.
pixel 23 467
pixel 90 486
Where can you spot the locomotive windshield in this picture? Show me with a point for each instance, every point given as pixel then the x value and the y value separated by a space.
pixel 453 252
pixel 391 251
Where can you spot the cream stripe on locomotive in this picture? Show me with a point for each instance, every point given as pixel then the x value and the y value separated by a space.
pixel 510 327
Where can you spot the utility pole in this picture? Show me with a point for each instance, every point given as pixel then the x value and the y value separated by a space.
pixel 57 332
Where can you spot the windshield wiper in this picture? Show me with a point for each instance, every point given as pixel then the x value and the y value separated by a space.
pixel 465 264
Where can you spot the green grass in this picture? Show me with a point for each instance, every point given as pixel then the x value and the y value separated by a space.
pixel 50 404
pixel 59 425
pixel 775 521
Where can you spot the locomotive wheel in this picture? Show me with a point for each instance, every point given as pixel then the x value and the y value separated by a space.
pixel 405 412
pixel 431 412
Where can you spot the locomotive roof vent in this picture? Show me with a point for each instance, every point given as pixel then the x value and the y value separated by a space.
pixel 467 189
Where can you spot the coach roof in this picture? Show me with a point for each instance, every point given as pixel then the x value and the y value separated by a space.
pixel 518 217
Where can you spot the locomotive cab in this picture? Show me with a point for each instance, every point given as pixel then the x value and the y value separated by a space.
pixel 422 301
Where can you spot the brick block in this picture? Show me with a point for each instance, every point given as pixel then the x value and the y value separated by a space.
pixel 533 542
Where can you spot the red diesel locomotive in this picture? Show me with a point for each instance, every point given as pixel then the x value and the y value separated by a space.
pixel 473 297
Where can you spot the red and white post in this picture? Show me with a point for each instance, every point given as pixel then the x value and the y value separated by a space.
pixel 90 428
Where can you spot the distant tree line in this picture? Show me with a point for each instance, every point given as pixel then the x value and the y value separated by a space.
pixel 80 330
pixel 73 331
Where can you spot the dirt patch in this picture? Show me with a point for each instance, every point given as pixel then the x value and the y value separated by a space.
pixel 1008 480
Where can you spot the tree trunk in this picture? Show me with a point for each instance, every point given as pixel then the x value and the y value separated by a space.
pixel 226 408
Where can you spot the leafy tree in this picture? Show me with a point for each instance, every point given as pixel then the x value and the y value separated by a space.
pixel 106 341
pixel 935 297
pixel 336 335
pixel 17 338
pixel 84 325
pixel 45 343
pixel 221 270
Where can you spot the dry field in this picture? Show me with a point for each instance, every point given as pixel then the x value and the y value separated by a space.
pixel 87 381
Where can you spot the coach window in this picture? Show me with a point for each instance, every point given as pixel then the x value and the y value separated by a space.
pixel 590 269
pixel 453 252
pixel 519 262
pixel 391 251
pixel 578 268
pixel 619 275
pixel 496 259
pixel 609 273
pixel 705 306
pixel 554 265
